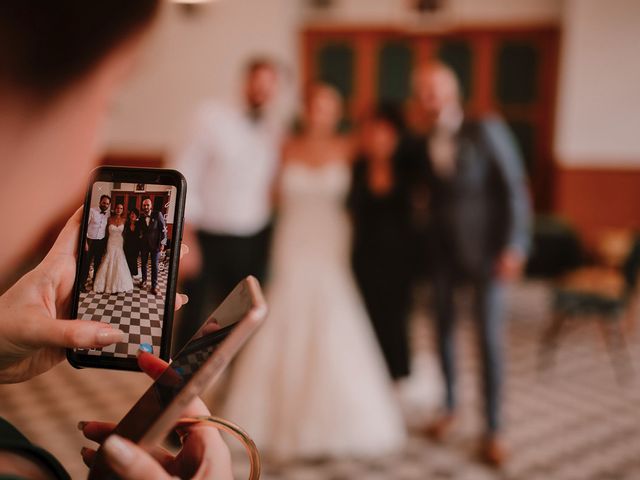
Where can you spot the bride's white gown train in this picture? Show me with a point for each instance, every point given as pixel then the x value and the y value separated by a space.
pixel 113 274
pixel 312 382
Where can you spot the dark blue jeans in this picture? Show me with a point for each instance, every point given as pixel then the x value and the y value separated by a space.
pixel 488 310
pixel 144 258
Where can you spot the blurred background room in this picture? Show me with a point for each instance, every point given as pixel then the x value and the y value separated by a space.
pixel 563 75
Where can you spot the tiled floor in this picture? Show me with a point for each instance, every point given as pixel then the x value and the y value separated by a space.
pixel 573 422
pixel 138 314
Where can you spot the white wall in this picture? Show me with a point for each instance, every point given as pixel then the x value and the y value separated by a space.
pixel 457 11
pixel 107 189
pixel 193 56
pixel 598 116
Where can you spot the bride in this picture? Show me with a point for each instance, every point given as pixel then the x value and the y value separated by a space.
pixel 113 275
pixel 312 383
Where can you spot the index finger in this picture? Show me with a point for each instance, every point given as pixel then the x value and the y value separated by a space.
pixel 184 249
pixel 156 368
pixel 96 431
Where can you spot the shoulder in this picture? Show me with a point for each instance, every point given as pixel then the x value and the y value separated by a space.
pixel 291 148
pixel 345 147
pixel 213 111
pixel 489 125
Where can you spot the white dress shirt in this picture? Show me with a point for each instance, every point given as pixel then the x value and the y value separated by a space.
pixel 97 226
pixel 230 164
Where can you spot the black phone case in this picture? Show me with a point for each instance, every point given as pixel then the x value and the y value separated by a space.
pixel 133 175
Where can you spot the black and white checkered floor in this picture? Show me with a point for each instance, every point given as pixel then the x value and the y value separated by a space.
pixel 138 314
pixel 572 423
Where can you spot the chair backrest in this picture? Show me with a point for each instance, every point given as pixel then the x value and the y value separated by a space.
pixel 631 267
pixel 613 245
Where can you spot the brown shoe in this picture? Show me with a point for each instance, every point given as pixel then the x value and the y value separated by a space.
pixel 154 291
pixel 440 428
pixel 493 451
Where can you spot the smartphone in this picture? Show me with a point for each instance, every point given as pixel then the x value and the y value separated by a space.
pixel 127 264
pixel 196 366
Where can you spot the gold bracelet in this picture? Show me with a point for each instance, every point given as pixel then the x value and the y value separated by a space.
pixel 235 431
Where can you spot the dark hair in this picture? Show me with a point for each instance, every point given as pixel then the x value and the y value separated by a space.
pixel 45 45
pixel 105 196
pixel 133 210
pixel 258 63
pixel 389 113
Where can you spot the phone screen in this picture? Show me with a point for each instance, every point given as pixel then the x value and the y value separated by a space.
pixel 125 263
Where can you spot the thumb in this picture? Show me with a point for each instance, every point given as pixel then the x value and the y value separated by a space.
pixel 44 331
pixel 131 462
pixel 67 240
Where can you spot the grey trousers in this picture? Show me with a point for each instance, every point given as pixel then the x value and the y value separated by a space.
pixel 488 312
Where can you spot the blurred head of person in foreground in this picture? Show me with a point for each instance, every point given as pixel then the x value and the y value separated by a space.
pixel 60 65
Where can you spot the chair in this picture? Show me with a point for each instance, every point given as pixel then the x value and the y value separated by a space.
pixel 607 293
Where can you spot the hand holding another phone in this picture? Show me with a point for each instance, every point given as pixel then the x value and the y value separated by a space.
pixel 203 455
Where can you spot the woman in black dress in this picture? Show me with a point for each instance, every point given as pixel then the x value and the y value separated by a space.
pixel 382 248
pixel 131 241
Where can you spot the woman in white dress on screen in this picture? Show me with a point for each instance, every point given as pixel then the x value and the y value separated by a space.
pixel 113 274
pixel 312 383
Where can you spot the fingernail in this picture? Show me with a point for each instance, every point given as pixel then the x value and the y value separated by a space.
pixel 81 426
pixel 185 298
pixel 118 451
pixel 145 347
pixel 107 336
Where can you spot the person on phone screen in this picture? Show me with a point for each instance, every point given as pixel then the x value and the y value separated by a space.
pixel 113 273
pixel 60 65
pixel 132 242
pixel 96 238
pixel 152 231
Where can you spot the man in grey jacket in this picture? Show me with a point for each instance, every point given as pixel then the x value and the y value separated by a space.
pixel 479 218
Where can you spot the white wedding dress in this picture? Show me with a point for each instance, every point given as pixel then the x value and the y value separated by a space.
pixel 113 274
pixel 312 382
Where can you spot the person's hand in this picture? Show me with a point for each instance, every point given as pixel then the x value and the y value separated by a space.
pixel 203 455
pixel 510 265
pixel 32 338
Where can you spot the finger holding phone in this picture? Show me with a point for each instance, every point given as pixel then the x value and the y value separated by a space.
pixel 203 454
pixel 131 446
pixel 33 338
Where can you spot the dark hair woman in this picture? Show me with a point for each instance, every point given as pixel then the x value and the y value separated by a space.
pixel 132 241
pixel 381 256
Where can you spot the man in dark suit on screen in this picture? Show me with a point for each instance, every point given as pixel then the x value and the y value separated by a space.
pixel 152 231
pixel 478 216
